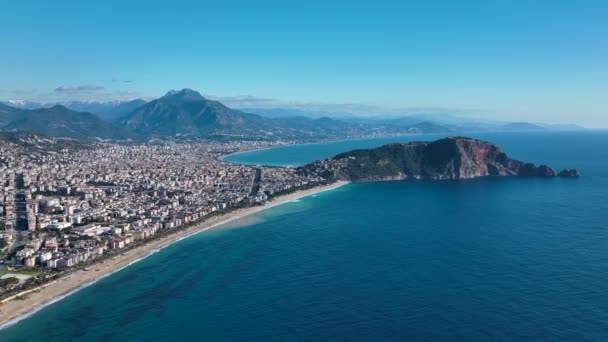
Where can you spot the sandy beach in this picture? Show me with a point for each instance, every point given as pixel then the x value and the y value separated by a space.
pixel 15 310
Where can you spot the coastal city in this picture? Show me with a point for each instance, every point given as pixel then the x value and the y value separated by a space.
pixel 70 207
pixel 303 171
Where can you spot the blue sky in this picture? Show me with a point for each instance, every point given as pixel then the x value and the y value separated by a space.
pixel 543 61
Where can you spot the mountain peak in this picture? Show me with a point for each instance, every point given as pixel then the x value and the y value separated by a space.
pixel 184 95
pixel 58 107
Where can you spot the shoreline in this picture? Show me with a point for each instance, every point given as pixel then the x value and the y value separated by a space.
pixel 222 158
pixel 14 311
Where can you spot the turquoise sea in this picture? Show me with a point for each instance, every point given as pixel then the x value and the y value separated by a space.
pixel 501 259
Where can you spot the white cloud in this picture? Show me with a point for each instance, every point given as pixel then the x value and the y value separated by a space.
pixel 80 88
pixel 84 93
pixel 244 101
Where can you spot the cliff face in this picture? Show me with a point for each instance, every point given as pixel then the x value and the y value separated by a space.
pixel 450 158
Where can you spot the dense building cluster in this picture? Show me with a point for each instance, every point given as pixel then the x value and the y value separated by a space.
pixel 62 207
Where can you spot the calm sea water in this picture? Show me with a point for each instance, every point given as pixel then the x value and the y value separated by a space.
pixel 481 260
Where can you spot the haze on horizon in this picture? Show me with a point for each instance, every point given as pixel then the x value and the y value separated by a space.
pixel 538 61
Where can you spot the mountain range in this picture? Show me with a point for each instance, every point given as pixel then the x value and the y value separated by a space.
pixel 186 113
pixel 400 118
pixel 108 110
pixel 59 121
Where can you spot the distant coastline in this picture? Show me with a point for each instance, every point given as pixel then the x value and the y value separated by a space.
pixel 16 310
pixel 329 141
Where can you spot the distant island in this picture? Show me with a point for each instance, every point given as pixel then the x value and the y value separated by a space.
pixel 449 158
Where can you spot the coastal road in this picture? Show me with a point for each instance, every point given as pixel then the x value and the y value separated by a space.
pixel 255 185
pixel 20 205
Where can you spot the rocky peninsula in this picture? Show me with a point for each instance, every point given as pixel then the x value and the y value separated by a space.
pixel 449 158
